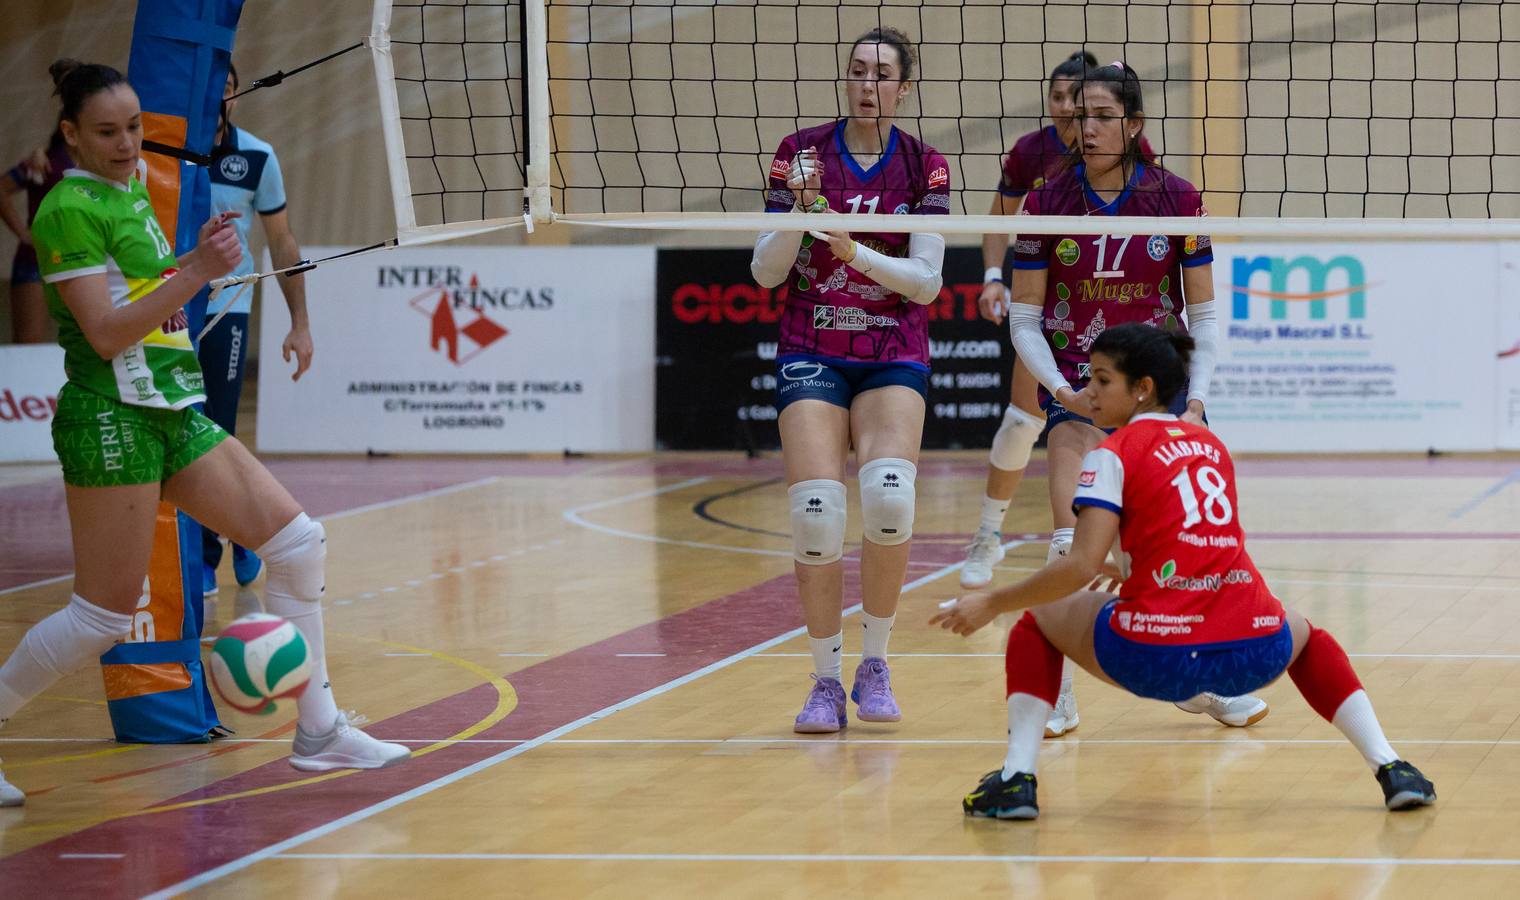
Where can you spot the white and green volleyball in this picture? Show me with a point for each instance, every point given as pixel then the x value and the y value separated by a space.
pixel 259 659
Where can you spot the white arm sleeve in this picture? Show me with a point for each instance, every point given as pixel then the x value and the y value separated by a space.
pixel 1029 344
pixel 1203 327
pixel 916 276
pixel 775 253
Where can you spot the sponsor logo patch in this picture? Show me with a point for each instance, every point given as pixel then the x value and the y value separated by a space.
pixel 1068 252
pixel 1158 246
pixel 780 168
pixel 1087 478
pixel 939 178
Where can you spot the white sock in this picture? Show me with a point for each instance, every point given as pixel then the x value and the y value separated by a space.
pixel 1067 667
pixel 1359 724
pixel 826 653
pixel 56 646
pixel 877 631
pixel 293 590
pixel 993 511
pixel 1060 544
pixel 1026 730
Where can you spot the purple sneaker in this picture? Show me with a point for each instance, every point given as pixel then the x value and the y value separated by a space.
pixel 873 692
pixel 823 713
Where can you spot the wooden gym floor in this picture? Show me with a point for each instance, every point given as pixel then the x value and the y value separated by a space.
pixel 598 662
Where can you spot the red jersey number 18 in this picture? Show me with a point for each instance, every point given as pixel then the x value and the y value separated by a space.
pixel 1216 506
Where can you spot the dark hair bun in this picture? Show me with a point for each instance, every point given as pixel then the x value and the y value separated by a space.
pixel 60 70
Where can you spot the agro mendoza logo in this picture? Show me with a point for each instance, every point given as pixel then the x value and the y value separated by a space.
pixel 448 291
pixel 1315 276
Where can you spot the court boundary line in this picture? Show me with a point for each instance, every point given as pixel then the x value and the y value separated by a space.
pixel 915 858
pixel 853 742
pixel 340 514
pixel 422 790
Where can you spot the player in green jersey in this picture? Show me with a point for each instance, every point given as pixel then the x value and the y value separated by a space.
pixel 128 435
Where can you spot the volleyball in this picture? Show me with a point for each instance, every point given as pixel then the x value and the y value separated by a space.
pixel 258 660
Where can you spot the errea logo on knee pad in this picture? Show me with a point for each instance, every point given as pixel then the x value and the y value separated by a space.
pixel 815 505
pixel 890 480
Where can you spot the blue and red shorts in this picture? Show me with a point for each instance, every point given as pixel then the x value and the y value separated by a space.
pixel 1175 672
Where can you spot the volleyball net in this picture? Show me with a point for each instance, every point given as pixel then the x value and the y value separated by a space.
pixel 1302 118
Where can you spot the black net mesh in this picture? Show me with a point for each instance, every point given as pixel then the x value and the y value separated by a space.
pixel 1350 108
pixel 459 87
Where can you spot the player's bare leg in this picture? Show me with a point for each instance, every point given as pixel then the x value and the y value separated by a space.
pixel 888 425
pixel 232 493
pixel 112 530
pixel 1021 427
pixel 815 440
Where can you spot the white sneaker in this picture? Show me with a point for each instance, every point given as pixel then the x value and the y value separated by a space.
pixel 1236 712
pixel 1063 716
pixel 10 795
pixel 984 552
pixel 344 747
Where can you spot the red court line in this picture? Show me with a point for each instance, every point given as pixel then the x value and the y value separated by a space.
pixel 166 848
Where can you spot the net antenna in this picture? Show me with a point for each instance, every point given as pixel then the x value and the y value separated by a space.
pixel 463 110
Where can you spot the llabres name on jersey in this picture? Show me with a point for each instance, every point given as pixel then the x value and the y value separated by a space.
pixel 1171 451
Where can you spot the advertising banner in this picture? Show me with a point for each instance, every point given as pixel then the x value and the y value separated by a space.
pixel 1507 415
pixel 30 376
pixel 716 339
pixel 468 350
pixel 1356 347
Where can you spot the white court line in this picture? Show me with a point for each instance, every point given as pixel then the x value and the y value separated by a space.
pixel 341 514
pixel 92 856
pixel 841 742
pixel 1499 656
pixel 1433 586
pixel 573 516
pixel 320 831
pixel 917 858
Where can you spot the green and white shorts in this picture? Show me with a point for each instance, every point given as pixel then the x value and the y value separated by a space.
pixel 103 442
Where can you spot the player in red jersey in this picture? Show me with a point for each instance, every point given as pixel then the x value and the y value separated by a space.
pixel 853 361
pixel 1068 288
pixel 1193 613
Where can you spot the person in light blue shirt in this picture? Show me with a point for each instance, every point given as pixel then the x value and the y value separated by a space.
pixel 245 178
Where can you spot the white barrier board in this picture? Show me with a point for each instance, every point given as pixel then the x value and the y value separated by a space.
pixel 1356 347
pixel 467 350
pixel 30 376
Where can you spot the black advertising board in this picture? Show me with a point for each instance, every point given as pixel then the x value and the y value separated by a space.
pixel 715 339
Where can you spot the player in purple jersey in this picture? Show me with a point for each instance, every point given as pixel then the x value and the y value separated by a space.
pixel 1032 157
pixel 35 175
pixel 1067 289
pixel 853 361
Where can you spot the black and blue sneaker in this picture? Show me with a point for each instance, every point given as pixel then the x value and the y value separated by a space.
pixel 1404 787
pixel 995 798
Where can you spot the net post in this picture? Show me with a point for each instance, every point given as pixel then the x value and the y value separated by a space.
pixel 379 42
pixel 535 43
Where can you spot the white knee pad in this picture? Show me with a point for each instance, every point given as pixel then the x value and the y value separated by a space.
pixel 296 558
pixel 1015 438
pixel 818 514
pixel 886 500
